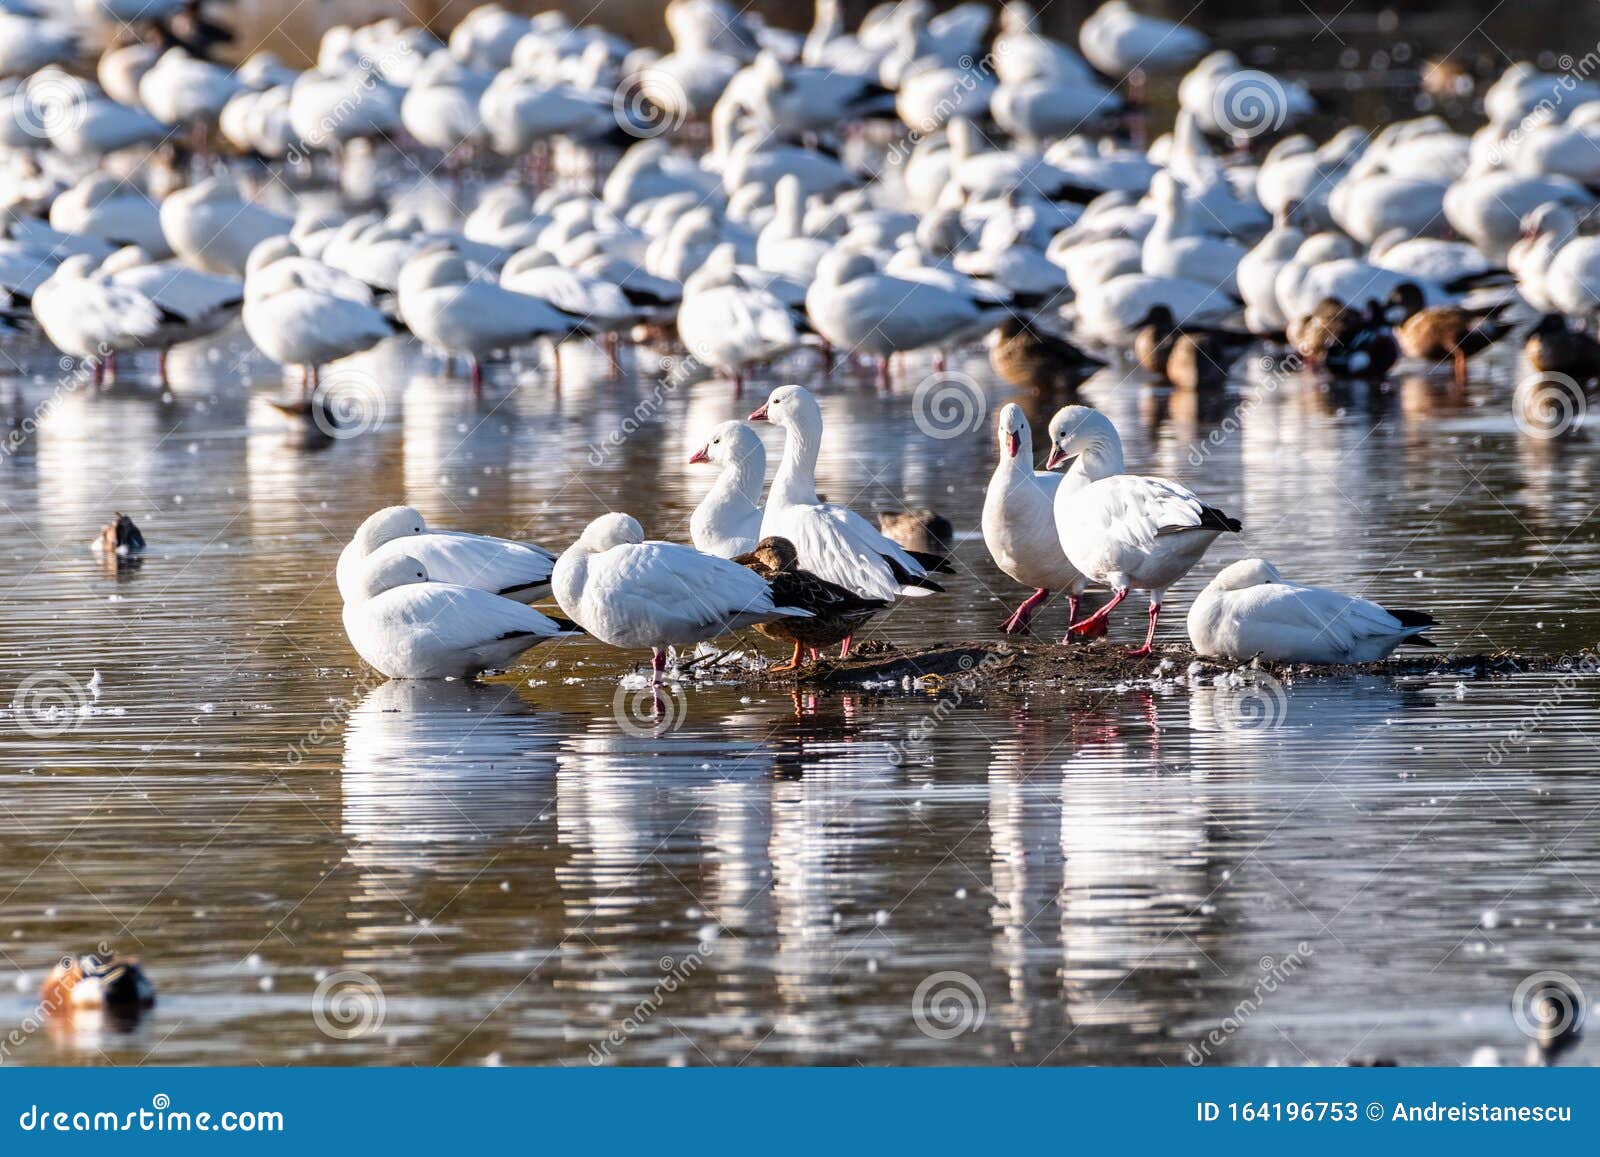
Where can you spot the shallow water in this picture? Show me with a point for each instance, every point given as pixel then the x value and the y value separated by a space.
pixel 534 871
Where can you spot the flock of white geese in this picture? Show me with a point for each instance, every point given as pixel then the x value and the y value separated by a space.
pixel 906 188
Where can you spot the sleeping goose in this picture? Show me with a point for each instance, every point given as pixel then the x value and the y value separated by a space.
pixel 1249 609
pixel 631 593
pixel 834 542
pixel 1123 530
pixel 84 314
pixel 728 520
pixel 519 571
pixel 409 627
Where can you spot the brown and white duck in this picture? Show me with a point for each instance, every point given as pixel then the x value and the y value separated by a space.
pixel 836 613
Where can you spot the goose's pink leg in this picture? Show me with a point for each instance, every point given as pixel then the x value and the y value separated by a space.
pixel 658 664
pixel 844 647
pixel 1149 635
pixel 1024 614
pixel 1096 623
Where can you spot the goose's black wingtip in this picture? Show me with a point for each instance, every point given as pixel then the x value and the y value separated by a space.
pixel 1215 519
pixel 1413 618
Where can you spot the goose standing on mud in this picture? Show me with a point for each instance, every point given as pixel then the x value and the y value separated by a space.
pixel 636 594
pixel 409 627
pixel 728 520
pixel 519 571
pixel 833 542
pixel 1125 531
pixel 1019 523
pixel 1250 609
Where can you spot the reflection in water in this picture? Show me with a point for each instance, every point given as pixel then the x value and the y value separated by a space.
pixel 522 869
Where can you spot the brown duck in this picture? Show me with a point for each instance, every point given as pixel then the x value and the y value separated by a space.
pixel 1027 358
pixel 837 612
pixel 1445 332
pixel 1554 347
pixel 1190 359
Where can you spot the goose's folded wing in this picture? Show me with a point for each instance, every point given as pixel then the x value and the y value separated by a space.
pixel 841 549
pixel 1139 510
pixel 676 589
pixel 490 564
pixel 464 617
pixel 188 293
pixel 1312 618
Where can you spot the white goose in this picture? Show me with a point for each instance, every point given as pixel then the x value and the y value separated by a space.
pixel 451 310
pixel 833 541
pixel 728 324
pixel 107 207
pixel 1117 41
pixel 409 627
pixel 300 312
pixel 1249 609
pixel 1019 526
pixel 631 593
pixel 727 522
pixel 192 304
pixel 213 228
pixel 1123 530
pixel 519 571
pixel 84 314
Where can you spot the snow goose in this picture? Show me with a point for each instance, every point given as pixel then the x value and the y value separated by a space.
pixel 834 541
pixel 728 520
pixel 1250 610
pixel 192 304
pixel 458 313
pixel 103 206
pixel 631 593
pixel 1257 275
pixel 121 67
pixel 1019 525
pixel 409 627
pixel 783 245
pixel 1176 248
pixel 1022 54
pixel 1044 109
pixel 1545 232
pixel 211 227
pixel 537 273
pixel 1124 303
pixel 300 312
pixel 836 613
pixel 440 108
pixel 181 90
pixel 858 307
pixel 487 36
pixel 28 44
pixel 1123 530
pixel 727 324
pixel 84 314
pixel 1118 41
pixel 1229 100
pixel 513 570
pixel 1488 208
pixel 798 98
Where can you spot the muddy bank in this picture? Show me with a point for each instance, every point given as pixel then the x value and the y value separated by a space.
pixel 1011 667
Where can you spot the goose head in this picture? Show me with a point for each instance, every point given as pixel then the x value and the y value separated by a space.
pixel 1246 573
pixel 609 530
pixel 731 443
pixel 792 407
pixel 433 268
pixel 1012 430
pixel 387 573
pixel 268 251
pixel 385 526
pixel 1080 431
